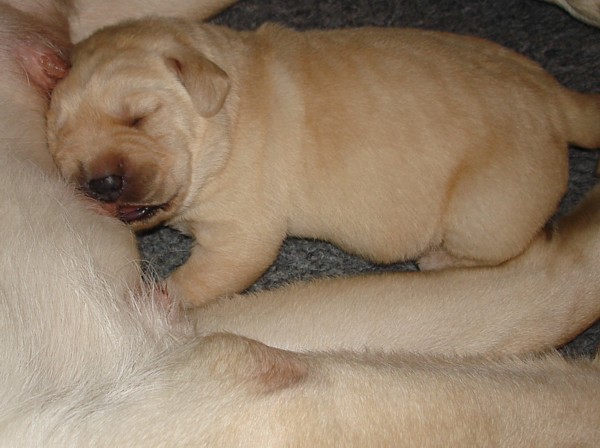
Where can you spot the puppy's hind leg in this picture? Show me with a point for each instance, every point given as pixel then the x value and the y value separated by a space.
pixel 495 212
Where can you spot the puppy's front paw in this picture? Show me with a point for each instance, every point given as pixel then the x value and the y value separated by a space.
pixel 208 275
pixel 189 291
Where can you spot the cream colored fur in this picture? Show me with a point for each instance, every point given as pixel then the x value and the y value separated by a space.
pixel 94 14
pixel 89 358
pixel 393 144
pixel 587 11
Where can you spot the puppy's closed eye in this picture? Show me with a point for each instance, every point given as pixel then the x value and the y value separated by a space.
pixel 137 109
pixel 135 122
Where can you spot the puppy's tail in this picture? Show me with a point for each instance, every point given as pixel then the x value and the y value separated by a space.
pixel 582 115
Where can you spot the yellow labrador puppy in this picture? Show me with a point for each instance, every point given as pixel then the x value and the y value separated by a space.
pixel 391 143
pixel 90 359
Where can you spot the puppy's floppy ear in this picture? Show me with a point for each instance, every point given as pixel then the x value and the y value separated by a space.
pixel 207 83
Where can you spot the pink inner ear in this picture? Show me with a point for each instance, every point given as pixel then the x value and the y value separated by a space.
pixel 44 67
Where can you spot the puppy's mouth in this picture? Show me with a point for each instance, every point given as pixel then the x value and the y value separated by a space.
pixel 117 199
pixel 136 213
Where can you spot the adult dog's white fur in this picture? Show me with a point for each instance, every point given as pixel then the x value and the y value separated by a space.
pixel 391 143
pixel 90 359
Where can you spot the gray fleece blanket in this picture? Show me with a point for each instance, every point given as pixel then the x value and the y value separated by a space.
pixel 568 49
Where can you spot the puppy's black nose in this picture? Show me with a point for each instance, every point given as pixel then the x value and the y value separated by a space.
pixel 107 189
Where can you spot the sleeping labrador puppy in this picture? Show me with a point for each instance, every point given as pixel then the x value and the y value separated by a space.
pixel 89 359
pixel 391 143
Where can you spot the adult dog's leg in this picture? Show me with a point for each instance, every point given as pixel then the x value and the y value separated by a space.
pixel 229 391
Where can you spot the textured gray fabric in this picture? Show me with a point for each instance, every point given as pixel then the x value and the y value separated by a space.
pixel 568 49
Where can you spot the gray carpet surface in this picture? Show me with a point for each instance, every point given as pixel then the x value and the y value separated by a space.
pixel 568 49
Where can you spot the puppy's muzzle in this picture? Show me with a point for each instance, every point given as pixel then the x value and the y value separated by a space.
pixel 120 189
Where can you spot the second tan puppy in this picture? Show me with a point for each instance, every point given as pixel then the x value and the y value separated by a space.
pixel 392 144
